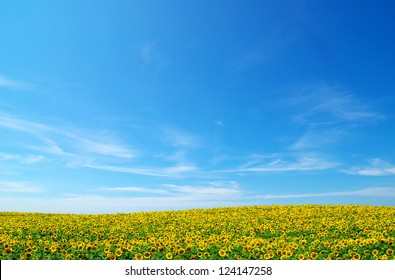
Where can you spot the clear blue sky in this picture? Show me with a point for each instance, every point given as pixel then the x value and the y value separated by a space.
pixel 120 106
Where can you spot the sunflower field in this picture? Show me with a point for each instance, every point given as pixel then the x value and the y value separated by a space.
pixel 296 232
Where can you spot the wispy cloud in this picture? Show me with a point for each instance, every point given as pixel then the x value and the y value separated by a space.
pixel 25 159
pixel 314 138
pixel 208 189
pixel 18 187
pixel 151 57
pixel 167 197
pixel 376 167
pixel 180 138
pixel 13 84
pixel 326 114
pixel 301 162
pixel 104 204
pixel 320 104
pixel 172 171
pixel 134 189
pixel 53 138
pixel 369 192
pixel 30 127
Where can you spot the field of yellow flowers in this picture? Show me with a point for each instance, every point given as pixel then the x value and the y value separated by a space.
pixel 254 232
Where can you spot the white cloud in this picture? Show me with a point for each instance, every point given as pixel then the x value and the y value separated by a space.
pixel 318 138
pixel 9 156
pixel 371 192
pixel 173 171
pixel 324 104
pixel 188 197
pixel 94 204
pixel 301 162
pixel 13 84
pixel 33 128
pixel 33 159
pixel 76 143
pixel 377 167
pixel 134 189
pixel 152 57
pixel 106 149
pixel 18 187
pixel 210 189
pixel 179 138
pixel 25 159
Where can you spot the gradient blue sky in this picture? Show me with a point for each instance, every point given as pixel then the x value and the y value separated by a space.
pixel 120 106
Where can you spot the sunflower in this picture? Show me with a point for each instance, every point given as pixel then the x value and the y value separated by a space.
pixel 222 253
pixel 111 256
pixel 390 252
pixel 138 256
pixel 169 256
pixel 89 247
pixel 118 252
pixel 301 257
pixel 181 251
pixel 356 257
pixel 147 255
pixel 313 255
pixel 384 257
pixel 206 255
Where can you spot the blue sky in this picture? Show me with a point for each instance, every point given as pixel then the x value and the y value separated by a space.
pixel 120 106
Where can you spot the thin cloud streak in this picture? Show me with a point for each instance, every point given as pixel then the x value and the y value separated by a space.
pixel 25 159
pixel 173 171
pixel 318 138
pixel 329 104
pixel 301 163
pixel 94 204
pixel 377 167
pixel 369 192
pixel 221 189
pixel 18 187
pixel 13 84
pixel 51 136
pixel 179 138
pixel 134 189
